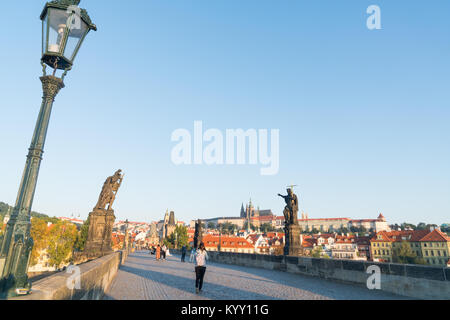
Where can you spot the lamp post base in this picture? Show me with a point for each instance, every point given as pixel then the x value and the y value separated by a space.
pixel 9 288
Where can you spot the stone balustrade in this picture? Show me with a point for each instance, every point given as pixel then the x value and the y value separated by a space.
pixel 416 281
pixel 95 276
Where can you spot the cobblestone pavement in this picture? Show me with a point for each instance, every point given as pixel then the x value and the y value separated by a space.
pixel 144 278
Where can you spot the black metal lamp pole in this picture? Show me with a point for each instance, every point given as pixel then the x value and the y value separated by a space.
pixel 63 22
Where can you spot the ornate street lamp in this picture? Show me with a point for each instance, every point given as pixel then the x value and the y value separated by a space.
pixel 64 27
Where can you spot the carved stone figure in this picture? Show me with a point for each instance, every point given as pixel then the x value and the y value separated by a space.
pixel 109 191
pixel 291 210
pixel 101 219
pixel 292 244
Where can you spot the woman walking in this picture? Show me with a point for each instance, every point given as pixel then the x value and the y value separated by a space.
pixel 201 255
pixel 164 249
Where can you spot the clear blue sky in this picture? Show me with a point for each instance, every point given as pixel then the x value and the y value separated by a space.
pixel 363 115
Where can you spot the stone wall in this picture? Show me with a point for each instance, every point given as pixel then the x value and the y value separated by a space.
pixel 416 281
pixel 95 278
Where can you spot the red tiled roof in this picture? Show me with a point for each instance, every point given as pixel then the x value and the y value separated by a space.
pixel 263 218
pixel 412 235
pixel 226 242
pixel 435 236
pixel 309 243
pixel 393 236
pixel 418 234
pixel 324 235
pixel 364 220
pixel 325 219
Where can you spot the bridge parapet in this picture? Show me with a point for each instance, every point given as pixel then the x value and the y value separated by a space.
pixel 94 276
pixel 416 281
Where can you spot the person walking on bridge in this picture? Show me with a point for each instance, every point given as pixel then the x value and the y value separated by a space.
pixel 183 253
pixel 163 252
pixel 201 255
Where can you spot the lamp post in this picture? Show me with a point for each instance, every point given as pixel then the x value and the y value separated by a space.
pixel 64 28
pixel 125 239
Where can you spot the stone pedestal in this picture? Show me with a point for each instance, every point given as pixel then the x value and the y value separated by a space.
pixel 292 246
pixel 98 243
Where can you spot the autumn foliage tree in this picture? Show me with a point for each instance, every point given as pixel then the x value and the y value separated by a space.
pixel 61 240
pixel 82 236
pixel 39 234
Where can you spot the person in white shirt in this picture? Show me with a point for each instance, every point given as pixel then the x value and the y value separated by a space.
pixel 200 257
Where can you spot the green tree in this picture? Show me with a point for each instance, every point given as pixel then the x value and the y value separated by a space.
pixel 405 254
pixel 445 228
pixel 178 237
pixel 227 228
pixel 406 225
pixel 62 237
pixel 252 227
pixel 3 208
pixel 82 236
pixel 421 226
pixel 317 252
pixel 266 227
pixel 211 225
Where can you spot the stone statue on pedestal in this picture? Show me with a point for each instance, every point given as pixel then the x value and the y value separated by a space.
pixel 292 244
pixel 101 219
pixel 109 191
pixel 198 233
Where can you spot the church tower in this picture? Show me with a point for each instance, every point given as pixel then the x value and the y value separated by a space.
pixel 171 224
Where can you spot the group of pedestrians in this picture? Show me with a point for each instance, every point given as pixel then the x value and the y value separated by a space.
pixel 198 257
pixel 160 252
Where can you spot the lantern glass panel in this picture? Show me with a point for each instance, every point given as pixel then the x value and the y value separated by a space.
pixel 77 30
pixel 57 20
pixel 44 35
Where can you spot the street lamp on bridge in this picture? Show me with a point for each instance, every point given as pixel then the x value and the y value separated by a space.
pixel 64 28
pixel 125 238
